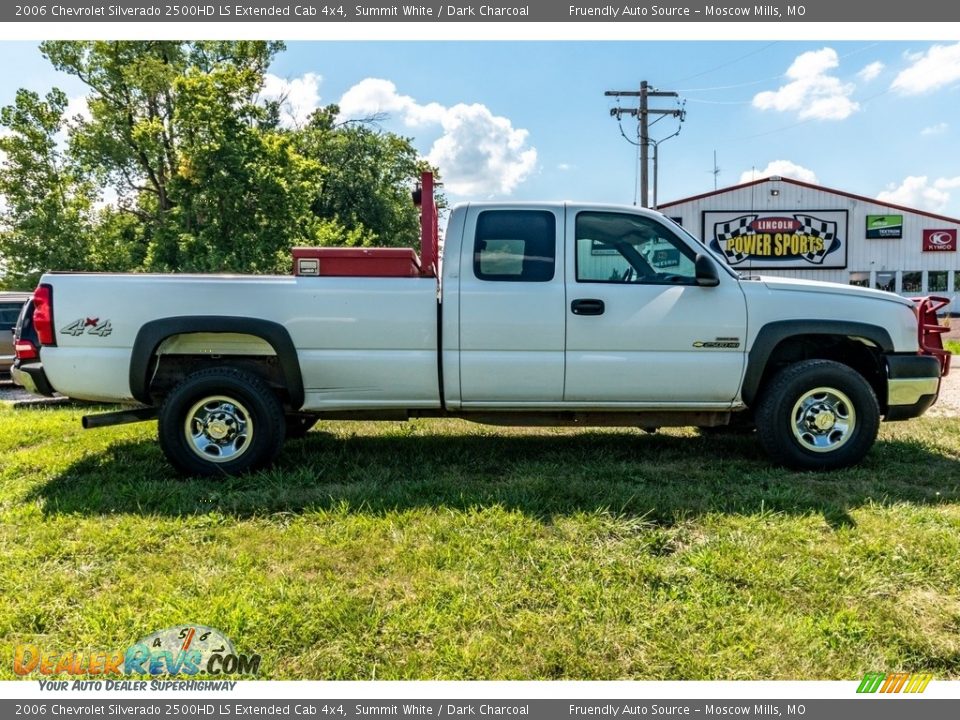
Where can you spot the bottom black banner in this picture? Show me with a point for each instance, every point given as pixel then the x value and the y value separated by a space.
pixel 874 707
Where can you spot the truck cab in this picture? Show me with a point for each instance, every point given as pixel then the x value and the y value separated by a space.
pixel 586 307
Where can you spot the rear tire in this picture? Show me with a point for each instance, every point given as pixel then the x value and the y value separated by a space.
pixel 817 415
pixel 221 422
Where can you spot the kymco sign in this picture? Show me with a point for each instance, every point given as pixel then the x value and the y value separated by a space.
pixel 940 240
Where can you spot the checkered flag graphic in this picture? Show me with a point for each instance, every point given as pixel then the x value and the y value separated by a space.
pixel 728 229
pixel 815 227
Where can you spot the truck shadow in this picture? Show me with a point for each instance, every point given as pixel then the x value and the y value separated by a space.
pixel 661 478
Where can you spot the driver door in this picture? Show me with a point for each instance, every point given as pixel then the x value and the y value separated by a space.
pixel 640 331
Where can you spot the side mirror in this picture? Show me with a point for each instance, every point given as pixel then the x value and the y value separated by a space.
pixel 706 272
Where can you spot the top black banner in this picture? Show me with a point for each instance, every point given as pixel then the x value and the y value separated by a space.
pixel 79 11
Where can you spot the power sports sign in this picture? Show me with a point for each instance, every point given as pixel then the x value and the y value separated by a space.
pixel 796 239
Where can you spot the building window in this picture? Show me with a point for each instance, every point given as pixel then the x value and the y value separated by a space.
pixel 515 246
pixel 956 281
pixel 887 281
pixel 912 281
pixel 937 281
pixel 860 279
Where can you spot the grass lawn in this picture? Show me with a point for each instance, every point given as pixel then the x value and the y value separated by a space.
pixel 444 550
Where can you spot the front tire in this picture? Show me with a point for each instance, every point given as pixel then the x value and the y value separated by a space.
pixel 220 422
pixel 817 415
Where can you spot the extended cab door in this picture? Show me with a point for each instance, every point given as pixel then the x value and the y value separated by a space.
pixel 512 306
pixel 639 328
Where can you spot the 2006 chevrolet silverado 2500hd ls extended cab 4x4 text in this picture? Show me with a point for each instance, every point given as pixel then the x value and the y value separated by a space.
pixel 541 313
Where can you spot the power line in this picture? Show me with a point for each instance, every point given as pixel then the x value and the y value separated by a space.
pixel 726 64
pixel 763 80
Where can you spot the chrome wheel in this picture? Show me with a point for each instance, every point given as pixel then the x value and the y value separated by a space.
pixel 218 429
pixel 823 419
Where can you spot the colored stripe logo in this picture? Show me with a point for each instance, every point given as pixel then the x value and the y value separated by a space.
pixel 901 682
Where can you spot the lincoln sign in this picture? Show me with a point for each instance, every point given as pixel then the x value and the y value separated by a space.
pixel 777 240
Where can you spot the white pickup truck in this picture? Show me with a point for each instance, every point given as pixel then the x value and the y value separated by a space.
pixel 541 313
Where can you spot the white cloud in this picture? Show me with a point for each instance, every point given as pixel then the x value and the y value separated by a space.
pixel 811 92
pixel 871 71
pixel 564 166
pixel 919 192
pixel 478 153
pixel 937 129
pixel 782 168
pixel 298 98
pixel 375 96
pixel 937 67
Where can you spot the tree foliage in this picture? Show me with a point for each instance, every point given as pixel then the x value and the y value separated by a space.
pixel 43 194
pixel 180 165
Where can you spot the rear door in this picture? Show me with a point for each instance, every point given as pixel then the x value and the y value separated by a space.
pixel 639 328
pixel 512 307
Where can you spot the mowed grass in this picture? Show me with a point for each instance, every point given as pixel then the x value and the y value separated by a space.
pixel 445 550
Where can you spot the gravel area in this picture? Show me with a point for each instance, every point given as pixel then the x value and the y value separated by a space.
pixel 11 393
pixel 948 404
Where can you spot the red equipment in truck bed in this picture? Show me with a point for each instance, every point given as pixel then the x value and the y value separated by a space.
pixel 350 262
pixel 379 262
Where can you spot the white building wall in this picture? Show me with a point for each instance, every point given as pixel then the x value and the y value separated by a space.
pixel 863 255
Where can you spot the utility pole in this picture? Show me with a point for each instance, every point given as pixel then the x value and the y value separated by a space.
pixel 642 113
pixel 644 145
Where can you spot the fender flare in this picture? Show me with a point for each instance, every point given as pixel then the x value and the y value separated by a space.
pixel 156 331
pixel 772 334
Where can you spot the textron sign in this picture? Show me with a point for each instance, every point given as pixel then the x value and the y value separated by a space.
pixel 779 240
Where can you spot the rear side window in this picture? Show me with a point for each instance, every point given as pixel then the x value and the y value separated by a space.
pixel 9 312
pixel 515 246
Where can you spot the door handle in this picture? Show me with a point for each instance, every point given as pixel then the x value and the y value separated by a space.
pixel 587 306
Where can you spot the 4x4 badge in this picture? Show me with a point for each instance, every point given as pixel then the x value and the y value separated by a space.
pixel 90 326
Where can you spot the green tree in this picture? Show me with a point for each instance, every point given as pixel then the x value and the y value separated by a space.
pixel 364 181
pixel 199 172
pixel 45 214
pixel 173 130
pixel 241 192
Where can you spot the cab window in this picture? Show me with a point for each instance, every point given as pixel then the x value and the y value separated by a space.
pixel 623 248
pixel 515 246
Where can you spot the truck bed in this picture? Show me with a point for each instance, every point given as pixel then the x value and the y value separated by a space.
pixel 352 354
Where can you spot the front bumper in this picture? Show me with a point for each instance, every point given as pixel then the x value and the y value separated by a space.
pixel 913 383
pixel 32 378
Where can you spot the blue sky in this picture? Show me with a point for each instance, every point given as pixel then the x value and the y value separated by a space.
pixel 529 120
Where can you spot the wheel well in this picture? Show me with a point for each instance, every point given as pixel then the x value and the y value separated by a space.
pixel 867 360
pixel 168 349
pixel 169 370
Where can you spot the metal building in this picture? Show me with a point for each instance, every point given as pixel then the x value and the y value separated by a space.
pixel 781 226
